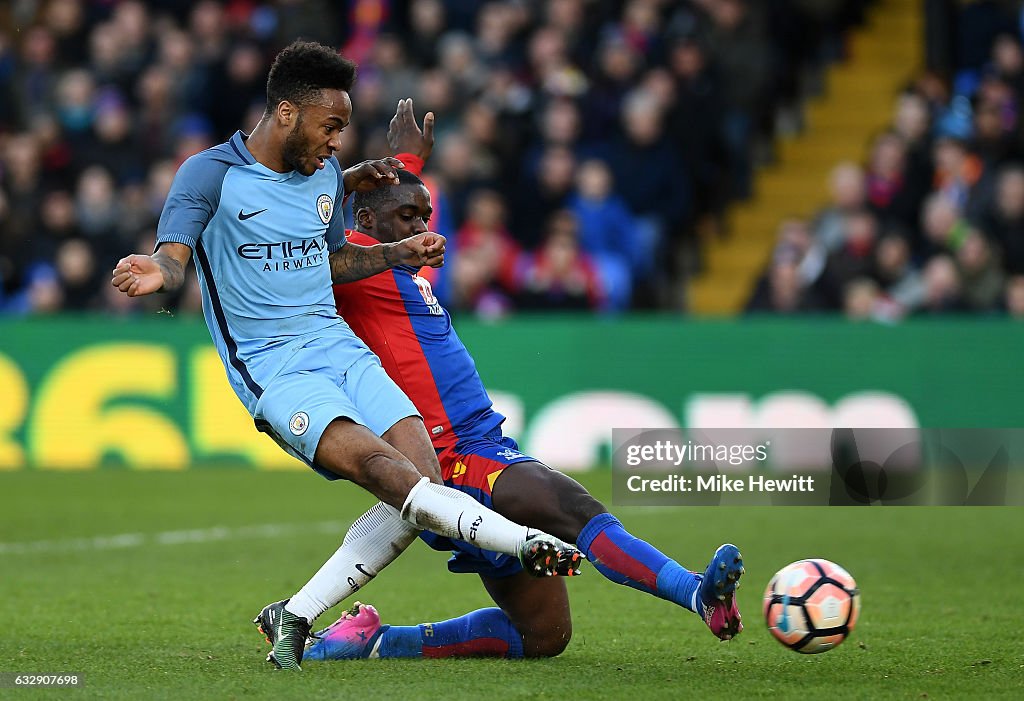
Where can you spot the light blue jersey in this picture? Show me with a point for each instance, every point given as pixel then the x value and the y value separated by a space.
pixel 261 242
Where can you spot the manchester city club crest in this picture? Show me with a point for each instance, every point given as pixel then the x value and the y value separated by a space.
pixel 299 423
pixel 325 208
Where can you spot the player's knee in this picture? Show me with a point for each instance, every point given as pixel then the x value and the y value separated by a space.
pixel 548 643
pixel 367 466
pixel 384 473
pixel 583 510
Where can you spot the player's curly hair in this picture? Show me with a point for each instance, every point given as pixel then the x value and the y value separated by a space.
pixel 375 199
pixel 303 69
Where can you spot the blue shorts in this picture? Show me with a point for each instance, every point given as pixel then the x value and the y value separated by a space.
pixel 315 387
pixel 472 466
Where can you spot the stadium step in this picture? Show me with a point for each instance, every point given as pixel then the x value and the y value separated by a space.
pixel 857 103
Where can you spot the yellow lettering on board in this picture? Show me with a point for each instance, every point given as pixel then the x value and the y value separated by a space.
pixel 13 407
pixel 81 414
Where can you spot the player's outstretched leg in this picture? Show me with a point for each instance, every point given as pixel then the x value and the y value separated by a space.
pixel 456 515
pixel 353 452
pixel 531 492
pixel 359 634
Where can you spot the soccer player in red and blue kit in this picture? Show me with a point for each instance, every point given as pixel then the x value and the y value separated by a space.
pixel 398 317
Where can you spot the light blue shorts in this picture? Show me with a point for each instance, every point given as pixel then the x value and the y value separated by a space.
pixel 321 383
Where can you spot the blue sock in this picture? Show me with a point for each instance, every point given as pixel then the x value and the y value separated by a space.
pixel 625 559
pixel 483 633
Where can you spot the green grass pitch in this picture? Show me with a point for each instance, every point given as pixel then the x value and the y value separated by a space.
pixel 163 611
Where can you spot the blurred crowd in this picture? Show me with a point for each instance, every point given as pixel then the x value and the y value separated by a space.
pixel 932 221
pixel 581 143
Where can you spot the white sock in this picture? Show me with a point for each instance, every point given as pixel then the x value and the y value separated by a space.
pixel 371 544
pixel 454 514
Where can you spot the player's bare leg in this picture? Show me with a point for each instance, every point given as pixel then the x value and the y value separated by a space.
pixel 530 492
pixel 409 437
pixel 355 453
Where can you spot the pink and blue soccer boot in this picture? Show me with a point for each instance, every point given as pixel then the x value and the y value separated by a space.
pixel 715 596
pixel 353 636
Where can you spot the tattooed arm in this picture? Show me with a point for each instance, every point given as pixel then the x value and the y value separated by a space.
pixel 354 262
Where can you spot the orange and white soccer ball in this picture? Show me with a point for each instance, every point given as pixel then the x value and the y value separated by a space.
pixel 811 605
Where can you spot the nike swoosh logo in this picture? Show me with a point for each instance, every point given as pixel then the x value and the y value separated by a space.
pixel 362 568
pixel 242 216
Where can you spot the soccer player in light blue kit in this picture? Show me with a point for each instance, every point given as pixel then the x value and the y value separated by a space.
pixel 261 213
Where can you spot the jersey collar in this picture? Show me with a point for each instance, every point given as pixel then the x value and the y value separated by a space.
pixel 237 142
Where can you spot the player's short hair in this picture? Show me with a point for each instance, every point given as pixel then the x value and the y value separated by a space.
pixel 375 199
pixel 303 69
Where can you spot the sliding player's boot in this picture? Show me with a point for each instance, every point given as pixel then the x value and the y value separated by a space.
pixel 286 632
pixel 546 556
pixel 716 595
pixel 353 636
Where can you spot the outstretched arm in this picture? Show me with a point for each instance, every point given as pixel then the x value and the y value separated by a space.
pixel 354 262
pixel 164 271
pixel 411 144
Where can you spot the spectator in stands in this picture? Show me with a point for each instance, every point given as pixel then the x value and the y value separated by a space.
pixel 542 195
pixel 1008 62
pixel 484 272
pixel 132 88
pixel 981 274
pixel 606 232
pixel 783 292
pixel 853 259
pixel 900 281
pixel 1014 297
pixel 957 170
pixel 912 122
pixel 848 194
pixel 861 299
pixel 942 287
pixel 617 71
pixel 741 51
pixel 657 189
pixel 943 225
pixel 1003 222
pixel 239 87
pixel 78 274
pixel 110 144
pixel 559 275
pixel 794 281
pixel 694 122
pixel 890 195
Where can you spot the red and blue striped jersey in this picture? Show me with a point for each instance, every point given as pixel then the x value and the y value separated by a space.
pixel 397 315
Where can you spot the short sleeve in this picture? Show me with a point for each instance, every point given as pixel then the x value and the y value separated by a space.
pixel 192 200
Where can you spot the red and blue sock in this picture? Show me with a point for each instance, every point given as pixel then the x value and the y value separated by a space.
pixel 483 633
pixel 625 559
